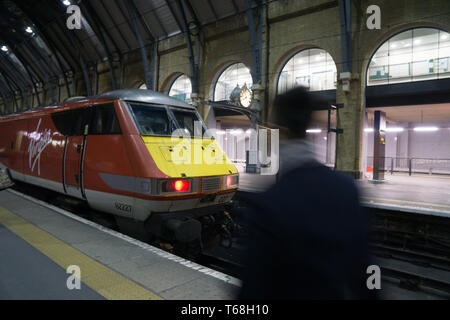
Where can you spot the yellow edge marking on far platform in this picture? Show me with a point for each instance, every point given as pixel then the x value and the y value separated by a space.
pixel 98 277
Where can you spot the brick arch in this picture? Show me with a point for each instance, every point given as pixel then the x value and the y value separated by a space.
pixel 284 59
pixel 217 72
pixel 367 57
pixel 168 82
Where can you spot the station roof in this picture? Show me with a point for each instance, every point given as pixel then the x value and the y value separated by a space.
pixel 36 45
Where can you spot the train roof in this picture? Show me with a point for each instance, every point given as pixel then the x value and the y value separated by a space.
pixel 146 96
pixel 131 95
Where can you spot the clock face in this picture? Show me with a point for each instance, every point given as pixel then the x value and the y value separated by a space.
pixel 245 97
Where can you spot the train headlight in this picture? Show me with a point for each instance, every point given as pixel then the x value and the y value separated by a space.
pixel 177 186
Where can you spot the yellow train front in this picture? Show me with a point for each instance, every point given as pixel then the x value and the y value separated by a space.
pixel 182 178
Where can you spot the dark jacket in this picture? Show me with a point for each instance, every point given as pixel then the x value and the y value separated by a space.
pixel 308 239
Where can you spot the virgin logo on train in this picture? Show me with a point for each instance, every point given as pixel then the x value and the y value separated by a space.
pixel 38 142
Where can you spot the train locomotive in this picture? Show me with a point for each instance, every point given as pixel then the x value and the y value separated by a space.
pixel 115 153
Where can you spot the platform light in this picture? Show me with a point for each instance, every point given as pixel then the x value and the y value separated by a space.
pixel 4 48
pixel 395 129
pixel 314 131
pixel 67 3
pixel 29 30
pixel 236 132
pixel 426 129
pixel 444 36
pixel 417 41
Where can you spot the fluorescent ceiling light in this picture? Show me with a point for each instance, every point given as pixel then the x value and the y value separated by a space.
pixel 4 48
pixel 220 132
pixel 314 130
pixel 368 130
pixel 29 30
pixel 67 2
pixel 444 36
pixel 426 129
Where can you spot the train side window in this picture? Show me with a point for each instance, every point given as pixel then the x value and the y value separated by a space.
pixel 104 120
pixel 71 122
pixel 63 122
pixel 80 118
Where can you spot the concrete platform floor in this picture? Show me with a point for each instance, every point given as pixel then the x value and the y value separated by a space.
pixel 38 243
pixel 418 193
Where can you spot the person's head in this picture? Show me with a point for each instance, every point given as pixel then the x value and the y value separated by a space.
pixel 292 113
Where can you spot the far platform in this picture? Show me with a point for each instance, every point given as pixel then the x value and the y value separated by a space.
pixel 422 194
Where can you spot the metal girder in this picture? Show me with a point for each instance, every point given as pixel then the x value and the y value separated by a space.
pixel 44 72
pixel 133 12
pixel 105 46
pixel 158 20
pixel 193 65
pixel 172 12
pixel 80 56
pixel 49 43
pixel 346 34
pixel 236 8
pixel 115 25
pixel 13 93
pixel 101 25
pixel 5 101
pixel 192 12
pixel 255 41
pixel 211 6
pixel 143 22
pixel 21 60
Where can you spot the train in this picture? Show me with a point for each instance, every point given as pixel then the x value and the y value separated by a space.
pixel 115 152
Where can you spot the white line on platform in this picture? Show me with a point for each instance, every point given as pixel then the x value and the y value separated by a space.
pixel 404 208
pixel 189 264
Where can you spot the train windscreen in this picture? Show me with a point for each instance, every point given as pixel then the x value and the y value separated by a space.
pixel 160 120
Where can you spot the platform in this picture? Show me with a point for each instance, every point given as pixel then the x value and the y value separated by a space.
pixel 424 194
pixel 39 242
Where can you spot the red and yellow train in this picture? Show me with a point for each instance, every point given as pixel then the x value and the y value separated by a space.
pixel 115 151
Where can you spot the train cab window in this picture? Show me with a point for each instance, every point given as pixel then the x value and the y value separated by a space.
pixel 188 120
pixel 152 120
pixel 104 120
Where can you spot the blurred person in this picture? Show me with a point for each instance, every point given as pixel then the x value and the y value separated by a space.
pixel 308 235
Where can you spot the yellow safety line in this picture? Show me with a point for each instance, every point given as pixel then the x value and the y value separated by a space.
pixel 106 282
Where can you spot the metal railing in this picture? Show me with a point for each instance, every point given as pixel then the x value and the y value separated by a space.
pixel 411 165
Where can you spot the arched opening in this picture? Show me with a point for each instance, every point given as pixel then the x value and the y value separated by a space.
pixel 407 116
pixel 181 88
pixel 315 69
pixel 227 115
